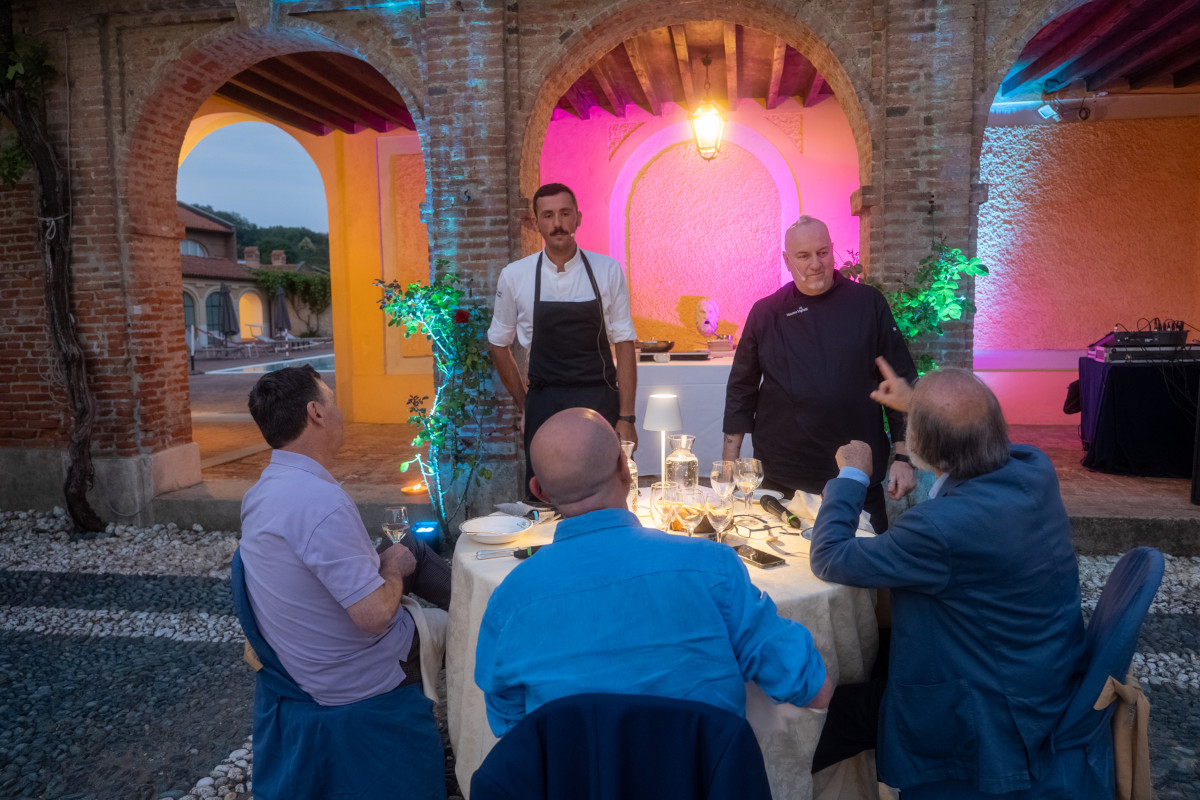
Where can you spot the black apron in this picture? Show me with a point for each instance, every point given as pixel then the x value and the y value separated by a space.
pixel 570 360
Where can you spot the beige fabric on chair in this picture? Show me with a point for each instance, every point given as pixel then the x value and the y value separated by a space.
pixel 431 627
pixel 1131 743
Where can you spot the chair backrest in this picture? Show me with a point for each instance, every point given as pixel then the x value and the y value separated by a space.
pixel 273 674
pixel 628 746
pixel 1111 638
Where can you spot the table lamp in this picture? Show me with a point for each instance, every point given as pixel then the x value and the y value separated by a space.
pixel 662 414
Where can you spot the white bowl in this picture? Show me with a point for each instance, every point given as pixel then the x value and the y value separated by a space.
pixel 495 529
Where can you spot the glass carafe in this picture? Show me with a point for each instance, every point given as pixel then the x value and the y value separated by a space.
pixel 632 501
pixel 683 467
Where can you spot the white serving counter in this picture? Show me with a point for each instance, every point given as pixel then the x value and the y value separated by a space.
pixel 700 386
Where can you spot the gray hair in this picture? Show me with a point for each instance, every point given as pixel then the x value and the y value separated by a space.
pixel 802 222
pixel 955 425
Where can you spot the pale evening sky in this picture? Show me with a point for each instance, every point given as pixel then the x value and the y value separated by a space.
pixel 258 171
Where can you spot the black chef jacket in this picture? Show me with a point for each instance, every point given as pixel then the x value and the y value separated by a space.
pixel 802 377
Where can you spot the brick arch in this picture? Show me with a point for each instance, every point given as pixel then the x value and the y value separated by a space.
pixel 149 164
pixel 815 37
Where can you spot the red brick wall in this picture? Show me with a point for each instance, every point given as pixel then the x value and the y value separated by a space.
pixel 915 78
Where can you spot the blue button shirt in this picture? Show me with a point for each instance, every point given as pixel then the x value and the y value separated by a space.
pixel 611 606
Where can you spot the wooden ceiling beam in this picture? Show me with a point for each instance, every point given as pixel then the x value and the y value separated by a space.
pixel 1114 45
pixel 1180 32
pixel 731 66
pixel 1186 76
pixel 634 50
pixel 1069 48
pixel 270 90
pixel 1182 57
pixel 813 93
pixel 576 103
pixel 773 98
pixel 338 101
pixel 608 91
pixel 330 75
pixel 273 110
pixel 684 63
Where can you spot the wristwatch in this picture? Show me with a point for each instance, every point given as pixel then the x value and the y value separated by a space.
pixel 630 418
pixel 903 459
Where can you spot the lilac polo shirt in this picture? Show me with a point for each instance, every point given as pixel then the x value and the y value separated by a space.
pixel 308 558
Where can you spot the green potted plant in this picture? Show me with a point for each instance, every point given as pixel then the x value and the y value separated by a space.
pixel 451 426
pixel 931 297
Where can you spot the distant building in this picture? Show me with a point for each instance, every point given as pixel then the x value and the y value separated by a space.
pixel 209 257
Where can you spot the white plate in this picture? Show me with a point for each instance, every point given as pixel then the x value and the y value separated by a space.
pixel 495 529
pixel 759 494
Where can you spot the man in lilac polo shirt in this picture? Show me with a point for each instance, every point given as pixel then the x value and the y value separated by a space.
pixel 324 600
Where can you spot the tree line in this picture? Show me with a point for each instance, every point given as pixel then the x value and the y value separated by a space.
pixel 300 244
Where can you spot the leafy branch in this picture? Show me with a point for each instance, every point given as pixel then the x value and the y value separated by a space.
pixel 312 291
pixel 463 398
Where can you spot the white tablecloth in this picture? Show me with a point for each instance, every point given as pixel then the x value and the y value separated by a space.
pixel 700 386
pixel 841 620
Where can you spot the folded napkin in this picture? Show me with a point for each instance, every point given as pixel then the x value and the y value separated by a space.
pixel 806 506
pixel 515 509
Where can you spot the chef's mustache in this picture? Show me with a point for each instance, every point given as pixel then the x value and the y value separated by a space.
pixel 558 232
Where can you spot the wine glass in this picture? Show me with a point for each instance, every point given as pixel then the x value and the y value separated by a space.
pixel 749 478
pixel 689 508
pixel 662 503
pixel 722 478
pixel 395 523
pixel 719 510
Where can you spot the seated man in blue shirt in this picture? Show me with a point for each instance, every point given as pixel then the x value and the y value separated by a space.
pixel 614 607
pixel 987 634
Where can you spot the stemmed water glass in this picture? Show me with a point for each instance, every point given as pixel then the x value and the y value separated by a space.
pixel 722 478
pixel 749 478
pixel 395 523
pixel 689 508
pixel 719 509
pixel 662 503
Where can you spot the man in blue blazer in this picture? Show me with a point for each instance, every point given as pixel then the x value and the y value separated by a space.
pixel 987 635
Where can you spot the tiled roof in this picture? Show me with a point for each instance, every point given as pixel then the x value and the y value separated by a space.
pixel 191 219
pixel 200 267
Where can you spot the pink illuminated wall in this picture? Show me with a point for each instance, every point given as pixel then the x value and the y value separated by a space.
pixel 685 228
pixel 719 239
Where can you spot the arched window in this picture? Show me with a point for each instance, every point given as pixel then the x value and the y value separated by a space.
pixel 190 247
pixel 212 313
pixel 189 311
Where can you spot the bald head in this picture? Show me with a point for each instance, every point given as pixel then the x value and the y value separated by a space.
pixel 808 253
pixel 955 425
pixel 577 461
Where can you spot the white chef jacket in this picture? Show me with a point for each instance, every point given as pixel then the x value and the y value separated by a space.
pixel 513 315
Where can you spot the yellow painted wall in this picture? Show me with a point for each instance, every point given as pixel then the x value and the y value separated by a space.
pixel 374 185
pixel 1087 225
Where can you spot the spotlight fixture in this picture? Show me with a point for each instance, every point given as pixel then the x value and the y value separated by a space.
pixel 708 123
pixel 1047 111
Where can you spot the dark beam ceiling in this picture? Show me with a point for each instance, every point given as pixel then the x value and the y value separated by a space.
pixel 667 65
pixel 1113 46
pixel 320 93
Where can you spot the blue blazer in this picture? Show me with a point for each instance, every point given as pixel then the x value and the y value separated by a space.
pixel 987 633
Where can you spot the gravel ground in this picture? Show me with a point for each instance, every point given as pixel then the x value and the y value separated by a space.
pixel 121 672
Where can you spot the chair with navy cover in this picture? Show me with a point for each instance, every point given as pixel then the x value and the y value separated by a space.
pixel 1081 767
pixel 382 748
pixel 1112 637
pixel 634 747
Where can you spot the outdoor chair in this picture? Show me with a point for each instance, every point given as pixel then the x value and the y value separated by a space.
pixel 1082 760
pixel 306 751
pixel 592 746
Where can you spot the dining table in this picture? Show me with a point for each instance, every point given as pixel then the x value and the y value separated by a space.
pixel 840 618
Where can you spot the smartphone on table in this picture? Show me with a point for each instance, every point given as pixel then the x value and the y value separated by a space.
pixel 758 558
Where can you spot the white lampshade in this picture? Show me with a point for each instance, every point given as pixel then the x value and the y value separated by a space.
pixel 662 413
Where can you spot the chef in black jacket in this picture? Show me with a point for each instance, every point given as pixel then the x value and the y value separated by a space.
pixel 803 373
pixel 570 308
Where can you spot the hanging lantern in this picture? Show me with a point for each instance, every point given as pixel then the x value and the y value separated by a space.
pixel 708 123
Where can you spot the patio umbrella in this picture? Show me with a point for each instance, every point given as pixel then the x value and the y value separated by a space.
pixel 281 322
pixel 227 312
